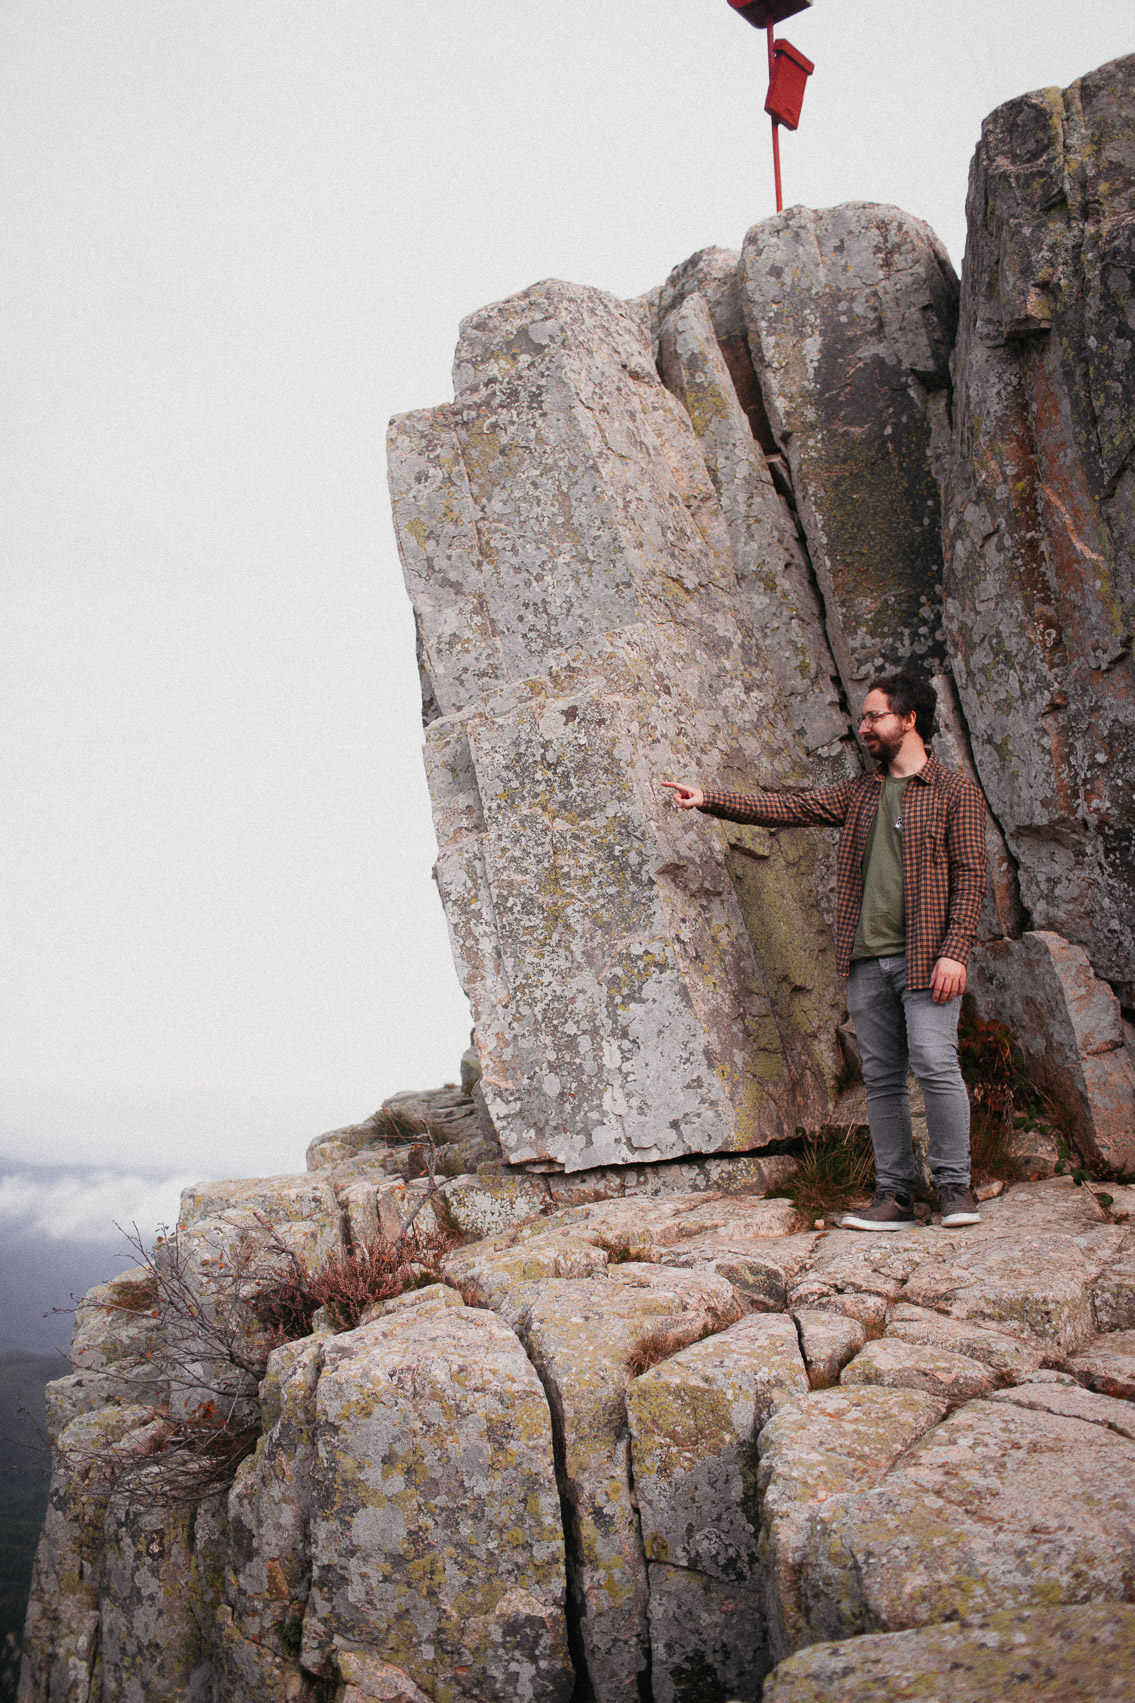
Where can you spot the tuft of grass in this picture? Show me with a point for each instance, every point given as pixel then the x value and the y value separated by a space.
pixel 836 1167
pixel 659 1344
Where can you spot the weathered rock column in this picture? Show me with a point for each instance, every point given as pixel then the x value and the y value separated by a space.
pixel 1040 503
pixel 851 313
pixel 576 592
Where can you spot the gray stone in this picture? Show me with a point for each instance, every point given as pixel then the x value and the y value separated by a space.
pixel 999 1507
pixel 1032 1286
pixel 1008 1356
pixel 1113 1292
pixel 436 1540
pixel 829 1444
pixel 1107 1365
pixel 777 594
pixel 1040 491
pixel 585 1340
pixel 735 1173
pixel 898 1365
pixel 1048 1655
pixel 828 1341
pixel 576 595
pixel 706 1638
pixel 61 1639
pixel 484 1205
pixel 1069 1026
pixel 851 314
pixel 1072 1402
pixel 266 1545
pixel 694 1421
pixel 151 1644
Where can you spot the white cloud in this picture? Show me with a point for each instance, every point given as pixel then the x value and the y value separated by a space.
pixel 85 1207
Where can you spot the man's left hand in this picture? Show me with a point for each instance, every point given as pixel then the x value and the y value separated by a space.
pixel 947 981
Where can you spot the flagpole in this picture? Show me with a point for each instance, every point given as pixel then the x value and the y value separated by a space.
pixel 775 129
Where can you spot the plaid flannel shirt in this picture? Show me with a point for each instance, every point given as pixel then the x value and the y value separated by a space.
pixel 943 855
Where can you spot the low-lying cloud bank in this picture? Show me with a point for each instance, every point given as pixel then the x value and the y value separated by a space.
pixel 74 1205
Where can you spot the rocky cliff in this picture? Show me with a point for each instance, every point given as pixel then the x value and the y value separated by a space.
pixel 678 537
pixel 637 1434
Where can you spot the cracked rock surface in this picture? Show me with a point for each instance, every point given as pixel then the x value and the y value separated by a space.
pixel 610 1444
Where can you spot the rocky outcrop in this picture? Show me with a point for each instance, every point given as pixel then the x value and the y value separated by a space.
pixel 642 988
pixel 650 1445
pixel 1040 495
pixel 683 535
pixel 642 1436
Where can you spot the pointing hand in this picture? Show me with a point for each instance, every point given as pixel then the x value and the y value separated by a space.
pixel 685 797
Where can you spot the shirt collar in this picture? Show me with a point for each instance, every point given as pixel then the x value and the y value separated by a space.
pixel 927 774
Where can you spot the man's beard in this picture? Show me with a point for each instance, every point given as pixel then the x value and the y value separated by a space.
pixel 886 747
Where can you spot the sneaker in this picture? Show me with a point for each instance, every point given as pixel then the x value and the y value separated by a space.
pixel 888 1211
pixel 958 1207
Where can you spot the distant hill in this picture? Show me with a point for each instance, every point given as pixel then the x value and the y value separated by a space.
pixel 23 1492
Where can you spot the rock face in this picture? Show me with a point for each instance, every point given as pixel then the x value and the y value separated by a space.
pixel 1040 499
pixel 583 635
pixel 851 315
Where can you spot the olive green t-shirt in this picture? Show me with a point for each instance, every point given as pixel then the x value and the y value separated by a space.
pixel 882 920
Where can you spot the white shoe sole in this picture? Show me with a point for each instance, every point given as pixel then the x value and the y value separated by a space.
pixel 961 1218
pixel 873 1224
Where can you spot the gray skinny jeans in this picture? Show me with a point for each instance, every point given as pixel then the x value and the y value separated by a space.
pixel 893 1026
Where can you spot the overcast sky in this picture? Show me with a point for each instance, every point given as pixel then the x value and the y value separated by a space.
pixel 237 237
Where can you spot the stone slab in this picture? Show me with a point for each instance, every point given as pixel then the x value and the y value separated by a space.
pixel 1049 1655
pixel 1107 1365
pixel 828 1341
pixel 694 1421
pixel 827 1445
pixel 998 1507
pixel 436 1537
pixel 899 1365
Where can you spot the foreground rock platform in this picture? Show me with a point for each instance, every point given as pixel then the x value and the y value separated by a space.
pixel 666 1439
pixel 1086 1654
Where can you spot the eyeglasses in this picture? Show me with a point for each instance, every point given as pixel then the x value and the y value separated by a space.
pixel 873 716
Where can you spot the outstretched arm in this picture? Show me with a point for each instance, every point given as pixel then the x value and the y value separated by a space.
pixel 827 804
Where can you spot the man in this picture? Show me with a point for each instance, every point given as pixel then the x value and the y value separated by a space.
pixel 910 880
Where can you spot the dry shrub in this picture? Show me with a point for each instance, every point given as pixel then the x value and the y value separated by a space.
pixel 172 1458
pixel 346 1285
pixel 624 1248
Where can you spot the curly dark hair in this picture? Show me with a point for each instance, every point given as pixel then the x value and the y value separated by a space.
pixel 907 690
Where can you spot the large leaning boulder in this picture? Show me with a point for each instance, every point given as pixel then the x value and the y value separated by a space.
pixel 577 599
